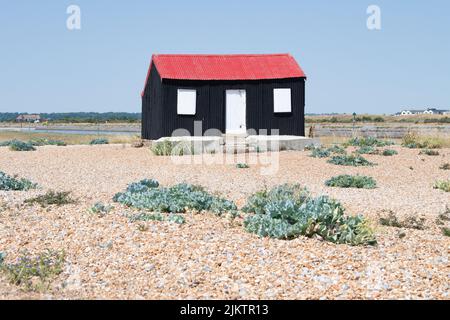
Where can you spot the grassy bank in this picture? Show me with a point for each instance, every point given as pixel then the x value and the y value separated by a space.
pixel 70 139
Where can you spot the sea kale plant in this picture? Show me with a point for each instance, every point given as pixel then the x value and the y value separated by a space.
pixel 100 209
pixel 320 153
pixel 369 141
pixel 288 211
pixel 367 150
pixel 350 160
pixel 148 195
pixel 389 152
pixel 16 145
pixel 99 141
pixel 348 181
pixel 337 149
pixel 8 183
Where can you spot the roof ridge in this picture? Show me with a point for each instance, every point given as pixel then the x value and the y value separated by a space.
pixel 220 55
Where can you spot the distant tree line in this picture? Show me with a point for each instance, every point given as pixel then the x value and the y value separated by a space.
pixel 78 117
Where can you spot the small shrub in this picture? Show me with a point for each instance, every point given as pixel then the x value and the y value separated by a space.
pixel 350 160
pixel 320 153
pixel 389 152
pixel 429 152
pixel 99 141
pixel 443 185
pixel 51 198
pixel 100 209
pixel 446 231
pixel 410 222
pixel 169 148
pixel 287 211
pixel 369 141
pixel 242 166
pixel 445 166
pixel 348 181
pixel 414 141
pixel 8 183
pixel 27 269
pixel 410 140
pixel 17 145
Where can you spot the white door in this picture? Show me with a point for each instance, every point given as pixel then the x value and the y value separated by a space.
pixel 235 111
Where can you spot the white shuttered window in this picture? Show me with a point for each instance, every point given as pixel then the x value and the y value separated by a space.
pixel 186 101
pixel 282 100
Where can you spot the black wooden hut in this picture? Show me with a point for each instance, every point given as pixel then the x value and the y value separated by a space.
pixel 231 93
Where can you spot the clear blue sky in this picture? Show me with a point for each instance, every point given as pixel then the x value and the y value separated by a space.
pixel 44 67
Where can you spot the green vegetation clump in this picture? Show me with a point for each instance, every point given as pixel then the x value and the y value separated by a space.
pixel 320 153
pixel 174 218
pixel 429 152
pixel 99 141
pixel 16 145
pixel 350 160
pixel 389 152
pixel 5 143
pixel 337 149
pixel 348 181
pixel 170 148
pixel 9 183
pixel 175 199
pixel 446 231
pixel 35 273
pixel 287 211
pixel 367 150
pixel 410 222
pixel 51 198
pixel 443 185
pixel 445 166
pixel 39 142
pixel 100 209
pixel 147 217
pixel 242 166
pixel 414 141
pixel 369 141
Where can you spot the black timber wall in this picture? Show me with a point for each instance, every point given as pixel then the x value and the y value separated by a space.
pixel 151 127
pixel 159 107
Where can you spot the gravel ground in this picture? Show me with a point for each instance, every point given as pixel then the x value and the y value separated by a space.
pixel 210 257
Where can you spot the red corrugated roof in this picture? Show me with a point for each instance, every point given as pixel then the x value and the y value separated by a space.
pixel 226 67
